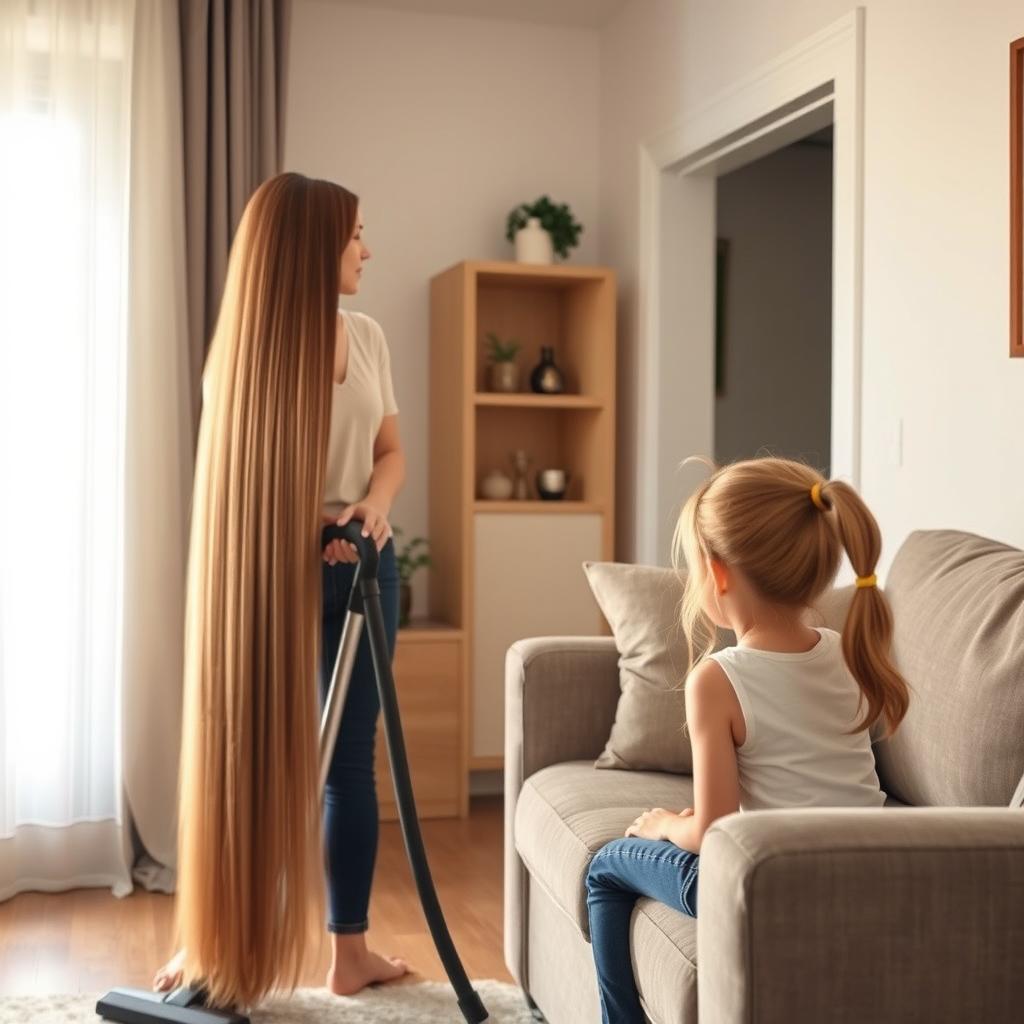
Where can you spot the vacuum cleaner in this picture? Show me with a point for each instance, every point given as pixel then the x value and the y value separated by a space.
pixel 187 1004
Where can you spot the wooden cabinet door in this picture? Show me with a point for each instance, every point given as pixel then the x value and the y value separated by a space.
pixel 528 581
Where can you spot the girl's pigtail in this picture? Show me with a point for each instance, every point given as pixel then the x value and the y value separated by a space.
pixel 867 634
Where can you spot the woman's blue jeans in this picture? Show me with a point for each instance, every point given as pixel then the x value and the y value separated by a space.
pixel 619 875
pixel 350 797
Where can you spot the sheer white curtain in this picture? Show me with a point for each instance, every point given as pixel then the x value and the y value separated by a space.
pixel 65 90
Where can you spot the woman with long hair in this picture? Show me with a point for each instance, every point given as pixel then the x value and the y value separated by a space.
pixel 299 428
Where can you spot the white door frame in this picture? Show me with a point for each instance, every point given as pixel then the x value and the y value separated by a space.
pixel 817 82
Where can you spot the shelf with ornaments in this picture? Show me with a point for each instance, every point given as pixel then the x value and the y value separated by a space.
pixel 551 455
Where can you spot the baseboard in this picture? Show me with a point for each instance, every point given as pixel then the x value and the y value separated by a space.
pixel 490 783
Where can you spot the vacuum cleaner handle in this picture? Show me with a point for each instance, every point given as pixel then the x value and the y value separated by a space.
pixel 352 531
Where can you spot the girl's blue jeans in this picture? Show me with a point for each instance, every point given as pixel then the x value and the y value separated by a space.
pixel 350 797
pixel 619 874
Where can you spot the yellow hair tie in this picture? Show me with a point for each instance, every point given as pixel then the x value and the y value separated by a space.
pixel 867 581
pixel 816 497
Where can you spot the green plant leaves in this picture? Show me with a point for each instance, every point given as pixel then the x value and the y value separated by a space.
pixel 411 556
pixel 501 351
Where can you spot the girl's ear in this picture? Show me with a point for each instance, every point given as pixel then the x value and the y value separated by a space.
pixel 720 574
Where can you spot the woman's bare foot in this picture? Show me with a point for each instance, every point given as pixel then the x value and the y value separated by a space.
pixel 170 975
pixel 353 966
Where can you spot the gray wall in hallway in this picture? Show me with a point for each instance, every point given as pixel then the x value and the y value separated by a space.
pixel 776 214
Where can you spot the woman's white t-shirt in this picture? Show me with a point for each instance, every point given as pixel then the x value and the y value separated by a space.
pixel 799 709
pixel 358 406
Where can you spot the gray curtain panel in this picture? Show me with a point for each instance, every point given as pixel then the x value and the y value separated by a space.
pixel 158 462
pixel 207 116
pixel 233 57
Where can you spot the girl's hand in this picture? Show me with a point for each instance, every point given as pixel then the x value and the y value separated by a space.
pixel 652 824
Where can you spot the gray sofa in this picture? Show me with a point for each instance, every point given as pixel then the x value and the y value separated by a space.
pixel 910 913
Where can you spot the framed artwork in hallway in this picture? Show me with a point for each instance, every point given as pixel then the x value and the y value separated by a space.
pixel 1017 197
pixel 721 269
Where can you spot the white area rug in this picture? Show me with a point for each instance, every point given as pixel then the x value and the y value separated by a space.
pixel 425 1002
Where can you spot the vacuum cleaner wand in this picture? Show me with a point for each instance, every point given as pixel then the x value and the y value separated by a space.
pixel 186 1005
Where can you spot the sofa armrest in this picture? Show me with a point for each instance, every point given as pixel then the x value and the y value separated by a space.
pixel 862 915
pixel 560 700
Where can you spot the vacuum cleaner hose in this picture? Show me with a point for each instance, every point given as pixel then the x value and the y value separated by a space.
pixel 366 591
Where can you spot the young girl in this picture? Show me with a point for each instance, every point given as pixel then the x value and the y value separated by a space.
pixel 779 720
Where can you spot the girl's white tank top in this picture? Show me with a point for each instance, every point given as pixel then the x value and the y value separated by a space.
pixel 799 709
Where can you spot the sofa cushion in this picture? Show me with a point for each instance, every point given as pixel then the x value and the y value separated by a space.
pixel 663 946
pixel 561 976
pixel 641 604
pixel 831 608
pixel 958 611
pixel 567 812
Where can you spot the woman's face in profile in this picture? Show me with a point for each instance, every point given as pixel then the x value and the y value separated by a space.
pixel 352 259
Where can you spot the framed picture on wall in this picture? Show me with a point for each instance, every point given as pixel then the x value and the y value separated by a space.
pixel 721 269
pixel 1017 197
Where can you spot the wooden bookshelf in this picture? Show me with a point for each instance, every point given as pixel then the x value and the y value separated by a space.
pixel 504 570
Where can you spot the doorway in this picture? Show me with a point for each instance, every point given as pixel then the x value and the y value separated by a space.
pixel 773 306
pixel 814 85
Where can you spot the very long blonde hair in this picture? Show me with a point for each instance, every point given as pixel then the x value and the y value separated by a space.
pixel 250 903
pixel 758 516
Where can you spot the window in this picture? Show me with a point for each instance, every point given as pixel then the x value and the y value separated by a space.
pixel 64 115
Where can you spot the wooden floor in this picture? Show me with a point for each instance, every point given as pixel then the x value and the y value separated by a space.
pixel 88 941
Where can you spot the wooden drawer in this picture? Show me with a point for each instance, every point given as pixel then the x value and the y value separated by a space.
pixel 428 665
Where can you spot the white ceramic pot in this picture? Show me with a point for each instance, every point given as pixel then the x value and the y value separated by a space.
pixel 533 243
pixel 496 486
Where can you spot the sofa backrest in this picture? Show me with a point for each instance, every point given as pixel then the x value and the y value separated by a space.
pixel 958 611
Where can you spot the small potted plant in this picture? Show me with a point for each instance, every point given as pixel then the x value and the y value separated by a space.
pixel 504 370
pixel 540 228
pixel 409 557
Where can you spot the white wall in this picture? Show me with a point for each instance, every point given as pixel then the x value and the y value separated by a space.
pixel 441 125
pixel 936 233
pixel 776 216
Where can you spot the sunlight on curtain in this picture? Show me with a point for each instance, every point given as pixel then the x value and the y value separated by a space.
pixel 64 116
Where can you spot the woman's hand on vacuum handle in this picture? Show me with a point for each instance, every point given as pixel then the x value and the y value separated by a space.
pixel 375 522
pixel 338 550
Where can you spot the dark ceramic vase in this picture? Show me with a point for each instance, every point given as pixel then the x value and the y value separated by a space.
pixel 547 378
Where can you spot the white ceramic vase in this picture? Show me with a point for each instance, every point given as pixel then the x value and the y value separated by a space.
pixel 533 243
pixel 496 486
